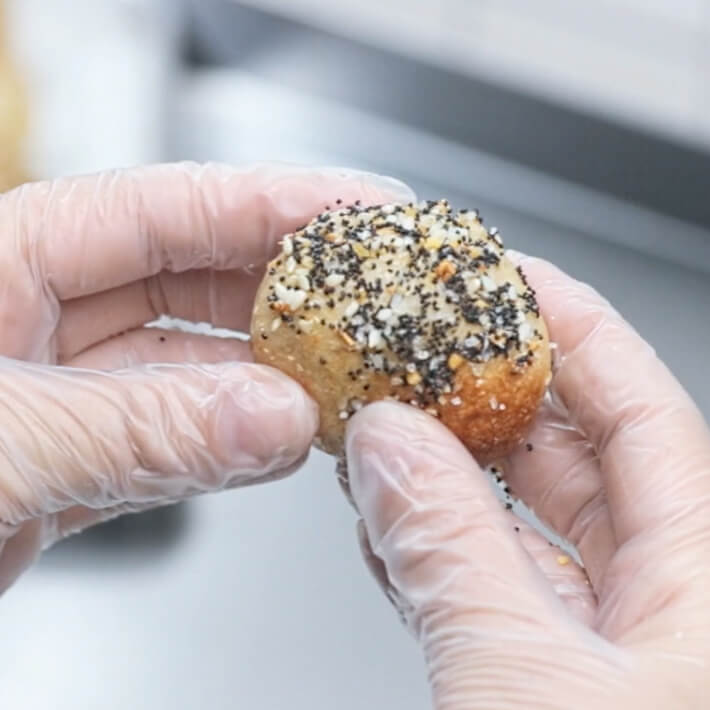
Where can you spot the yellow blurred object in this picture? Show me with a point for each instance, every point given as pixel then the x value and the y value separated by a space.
pixel 13 114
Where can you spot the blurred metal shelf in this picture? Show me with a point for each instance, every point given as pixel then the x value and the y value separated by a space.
pixel 231 115
pixel 603 55
pixel 597 148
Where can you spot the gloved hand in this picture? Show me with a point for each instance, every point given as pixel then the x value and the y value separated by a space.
pixel 620 466
pixel 89 430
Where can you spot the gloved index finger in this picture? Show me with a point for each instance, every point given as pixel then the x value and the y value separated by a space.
pixel 652 441
pixel 88 234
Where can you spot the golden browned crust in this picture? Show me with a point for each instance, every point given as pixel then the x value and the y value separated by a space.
pixel 483 374
pixel 496 408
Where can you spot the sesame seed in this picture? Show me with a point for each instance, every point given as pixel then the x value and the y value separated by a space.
pixel 281 291
pixel 374 339
pixel 414 288
pixel 303 283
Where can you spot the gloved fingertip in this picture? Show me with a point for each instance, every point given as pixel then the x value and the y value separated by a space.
pixel 263 420
pixel 384 187
pixel 368 435
pixel 398 190
pixel 397 454
pixel 367 428
pixel 516 257
pixel 374 564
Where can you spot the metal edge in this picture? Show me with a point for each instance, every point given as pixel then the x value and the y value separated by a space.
pixel 607 157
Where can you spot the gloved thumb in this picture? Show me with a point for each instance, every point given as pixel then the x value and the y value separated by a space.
pixel 455 568
pixel 78 437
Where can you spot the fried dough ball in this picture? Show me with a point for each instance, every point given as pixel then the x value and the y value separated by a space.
pixel 415 303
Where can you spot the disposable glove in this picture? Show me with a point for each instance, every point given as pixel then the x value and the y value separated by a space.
pixel 100 415
pixel 618 463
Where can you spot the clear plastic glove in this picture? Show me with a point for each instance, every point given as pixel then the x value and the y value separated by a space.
pixel 89 430
pixel 620 466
